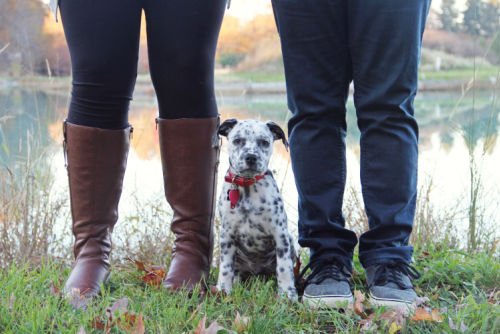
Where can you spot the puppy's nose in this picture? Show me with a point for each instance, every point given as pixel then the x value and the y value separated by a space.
pixel 251 159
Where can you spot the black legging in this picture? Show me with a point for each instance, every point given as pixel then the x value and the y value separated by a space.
pixel 103 39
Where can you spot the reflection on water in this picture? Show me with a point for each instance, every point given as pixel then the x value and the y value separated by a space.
pixel 33 119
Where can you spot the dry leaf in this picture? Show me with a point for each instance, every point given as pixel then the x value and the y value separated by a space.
pixel 154 275
pixel 241 323
pixel 54 290
pixel 97 323
pixel 367 324
pixel 81 330
pixel 463 328
pixel 139 327
pixel 139 264
pixel 78 300
pixel 11 301
pixel 394 328
pixel 421 314
pixel 212 329
pixel 419 301
pixel 200 329
pixel 120 306
pixel 191 317
pixel 435 316
pixel 358 306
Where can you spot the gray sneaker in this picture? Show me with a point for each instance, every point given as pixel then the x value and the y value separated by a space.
pixel 327 285
pixel 391 284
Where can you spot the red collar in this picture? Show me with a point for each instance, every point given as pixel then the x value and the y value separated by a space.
pixel 243 181
pixel 234 194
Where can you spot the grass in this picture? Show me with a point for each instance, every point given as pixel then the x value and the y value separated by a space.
pixel 461 286
pixel 484 73
pixel 466 73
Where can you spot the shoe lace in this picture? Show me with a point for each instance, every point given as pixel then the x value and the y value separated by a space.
pixel 393 273
pixel 320 270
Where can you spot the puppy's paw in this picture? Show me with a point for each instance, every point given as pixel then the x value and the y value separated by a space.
pixel 290 293
pixel 224 288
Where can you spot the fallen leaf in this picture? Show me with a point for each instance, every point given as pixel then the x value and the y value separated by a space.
pixel 78 300
pixel 463 328
pixel 421 314
pixel 154 278
pixel 241 323
pixel 367 324
pixel 191 317
pixel 120 306
pixel 154 275
pixel 420 301
pixel 200 329
pixel 54 290
pixel 98 324
pixel 139 327
pixel 81 330
pixel 394 328
pixel 358 303
pixel 435 316
pixel 214 328
pixel 11 301
pixel 139 264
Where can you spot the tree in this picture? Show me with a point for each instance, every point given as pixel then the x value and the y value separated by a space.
pixel 21 25
pixel 482 18
pixel 449 15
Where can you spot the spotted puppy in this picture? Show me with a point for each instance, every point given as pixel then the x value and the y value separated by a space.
pixel 254 238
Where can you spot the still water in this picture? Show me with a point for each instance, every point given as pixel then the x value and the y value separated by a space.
pixel 453 127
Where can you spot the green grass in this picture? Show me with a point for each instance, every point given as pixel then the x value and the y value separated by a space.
pixel 458 284
pixel 459 74
pixel 253 76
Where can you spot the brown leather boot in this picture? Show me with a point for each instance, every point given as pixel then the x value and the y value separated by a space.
pixel 190 156
pixel 96 161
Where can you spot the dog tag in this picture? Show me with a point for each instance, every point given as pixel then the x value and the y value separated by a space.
pixel 234 197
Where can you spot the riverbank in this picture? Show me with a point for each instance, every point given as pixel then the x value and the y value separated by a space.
pixel 461 289
pixel 260 82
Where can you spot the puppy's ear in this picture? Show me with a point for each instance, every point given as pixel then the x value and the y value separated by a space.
pixel 226 127
pixel 277 132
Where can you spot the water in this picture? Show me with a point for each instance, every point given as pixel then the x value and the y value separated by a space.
pixel 31 119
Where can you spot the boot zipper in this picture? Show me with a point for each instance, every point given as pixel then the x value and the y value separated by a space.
pixel 65 145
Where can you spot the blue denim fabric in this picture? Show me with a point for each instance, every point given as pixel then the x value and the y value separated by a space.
pixel 376 44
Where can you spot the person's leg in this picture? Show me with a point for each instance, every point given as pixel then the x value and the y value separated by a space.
pixel 317 68
pixel 318 72
pixel 385 39
pixel 104 49
pixel 182 39
pixel 103 40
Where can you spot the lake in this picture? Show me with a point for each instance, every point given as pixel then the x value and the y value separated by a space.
pixel 454 126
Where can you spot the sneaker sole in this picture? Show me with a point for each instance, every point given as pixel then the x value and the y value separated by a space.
pixel 327 301
pixel 389 302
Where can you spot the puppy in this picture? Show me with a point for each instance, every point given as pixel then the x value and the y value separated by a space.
pixel 254 237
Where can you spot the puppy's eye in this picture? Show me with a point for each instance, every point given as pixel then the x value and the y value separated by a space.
pixel 263 143
pixel 237 141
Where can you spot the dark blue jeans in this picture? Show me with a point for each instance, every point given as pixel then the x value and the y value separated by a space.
pixel 376 44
